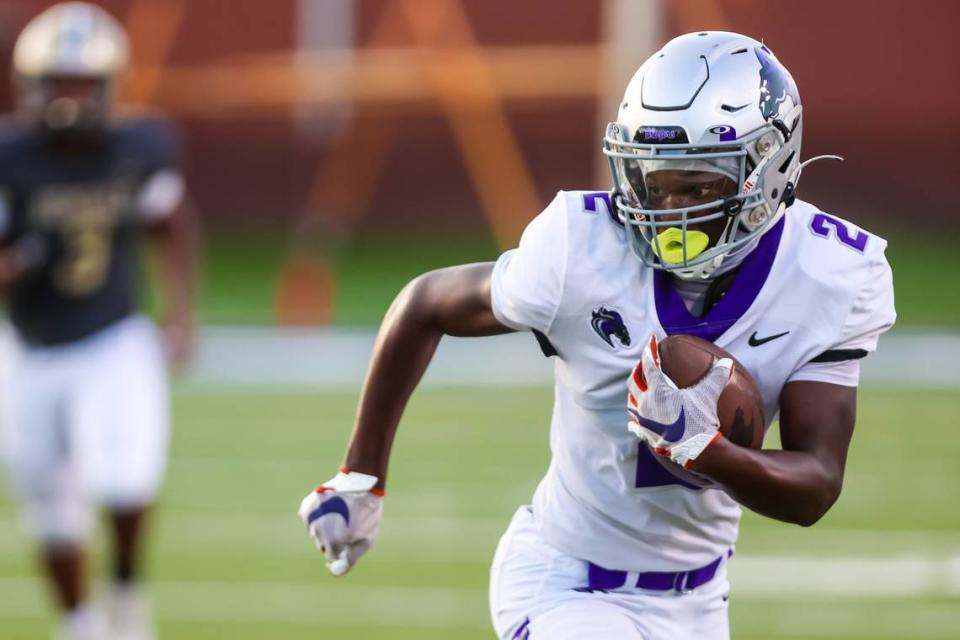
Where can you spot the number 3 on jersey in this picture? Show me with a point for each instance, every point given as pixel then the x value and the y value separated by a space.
pixel 87 253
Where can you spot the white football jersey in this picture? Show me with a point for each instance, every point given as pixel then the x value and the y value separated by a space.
pixel 814 284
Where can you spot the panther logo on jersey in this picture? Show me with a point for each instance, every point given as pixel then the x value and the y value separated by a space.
pixel 609 325
pixel 775 85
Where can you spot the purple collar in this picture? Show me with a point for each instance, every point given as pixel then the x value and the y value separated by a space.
pixel 746 286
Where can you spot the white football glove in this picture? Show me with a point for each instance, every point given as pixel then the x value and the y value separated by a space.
pixel 677 423
pixel 343 517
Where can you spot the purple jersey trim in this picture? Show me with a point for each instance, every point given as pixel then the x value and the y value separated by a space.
pixel 654 471
pixel 590 204
pixel 676 319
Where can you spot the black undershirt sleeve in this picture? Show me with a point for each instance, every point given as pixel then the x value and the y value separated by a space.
pixel 840 355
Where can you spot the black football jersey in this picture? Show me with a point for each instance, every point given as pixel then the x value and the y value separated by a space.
pixel 79 211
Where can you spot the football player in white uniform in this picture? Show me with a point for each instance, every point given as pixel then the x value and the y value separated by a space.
pixel 629 532
pixel 87 393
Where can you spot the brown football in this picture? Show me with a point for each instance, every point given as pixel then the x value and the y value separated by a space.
pixel 686 360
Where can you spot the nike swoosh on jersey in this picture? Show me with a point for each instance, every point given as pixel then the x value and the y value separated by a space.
pixel 754 341
pixel 669 432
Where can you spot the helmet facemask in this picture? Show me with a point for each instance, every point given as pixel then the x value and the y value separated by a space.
pixel 44 103
pixel 758 168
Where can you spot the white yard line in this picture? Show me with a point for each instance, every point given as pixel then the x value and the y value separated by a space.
pixel 763 577
pixel 795 596
pixel 442 538
pixel 842 618
pixel 889 565
pixel 283 602
pixel 759 579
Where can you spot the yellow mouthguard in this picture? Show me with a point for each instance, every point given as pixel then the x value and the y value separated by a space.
pixel 671 242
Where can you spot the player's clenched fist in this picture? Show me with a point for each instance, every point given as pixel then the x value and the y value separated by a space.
pixel 677 423
pixel 343 517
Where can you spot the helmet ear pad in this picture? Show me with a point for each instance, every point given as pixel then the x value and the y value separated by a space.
pixel 773 164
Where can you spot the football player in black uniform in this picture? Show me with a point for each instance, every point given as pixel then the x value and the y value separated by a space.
pixel 88 385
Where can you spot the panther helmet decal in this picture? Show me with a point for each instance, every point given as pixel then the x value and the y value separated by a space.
pixel 775 85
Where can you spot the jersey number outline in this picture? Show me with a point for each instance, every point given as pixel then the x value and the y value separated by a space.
pixel 87 253
pixel 821 225
pixel 590 201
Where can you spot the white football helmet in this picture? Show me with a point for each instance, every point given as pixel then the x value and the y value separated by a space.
pixel 70 40
pixel 706 102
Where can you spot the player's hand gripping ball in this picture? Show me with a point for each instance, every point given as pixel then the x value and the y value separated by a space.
pixel 687 359
pixel 343 517
pixel 686 392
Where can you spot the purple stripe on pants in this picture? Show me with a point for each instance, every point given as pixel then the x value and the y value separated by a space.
pixel 522 632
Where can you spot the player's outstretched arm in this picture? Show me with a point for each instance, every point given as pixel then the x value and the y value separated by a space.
pixel 11 269
pixel 453 301
pixel 176 243
pixel 19 257
pixel 343 515
pixel 800 483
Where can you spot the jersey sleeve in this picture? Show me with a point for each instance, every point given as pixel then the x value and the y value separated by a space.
pixel 870 316
pixel 527 282
pixel 161 194
pixel 162 143
pixel 163 186
pixel 11 157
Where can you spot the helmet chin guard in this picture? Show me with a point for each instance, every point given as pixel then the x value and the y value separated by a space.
pixel 707 102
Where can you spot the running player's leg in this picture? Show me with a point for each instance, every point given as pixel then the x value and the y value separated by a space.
pixel 39 454
pixel 123 413
pixel 584 616
pixel 62 522
pixel 534 592
pixel 127 528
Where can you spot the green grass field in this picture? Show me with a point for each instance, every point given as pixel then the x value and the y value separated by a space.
pixel 241 272
pixel 230 559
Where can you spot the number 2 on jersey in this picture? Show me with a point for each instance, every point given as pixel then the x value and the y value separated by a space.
pixel 821 225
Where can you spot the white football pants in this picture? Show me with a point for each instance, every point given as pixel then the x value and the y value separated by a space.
pixel 86 423
pixel 533 595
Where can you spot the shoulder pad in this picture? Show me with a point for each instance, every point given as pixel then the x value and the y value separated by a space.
pixel 154 137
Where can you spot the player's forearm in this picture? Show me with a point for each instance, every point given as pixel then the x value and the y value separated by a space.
pixel 178 245
pixel 17 260
pixel 10 270
pixel 791 486
pixel 405 344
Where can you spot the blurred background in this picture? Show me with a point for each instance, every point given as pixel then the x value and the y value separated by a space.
pixel 334 149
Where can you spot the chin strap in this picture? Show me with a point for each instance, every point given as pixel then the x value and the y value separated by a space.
pixel 815 158
pixel 796 175
pixel 788 193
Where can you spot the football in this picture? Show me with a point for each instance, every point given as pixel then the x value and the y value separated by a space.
pixel 686 360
